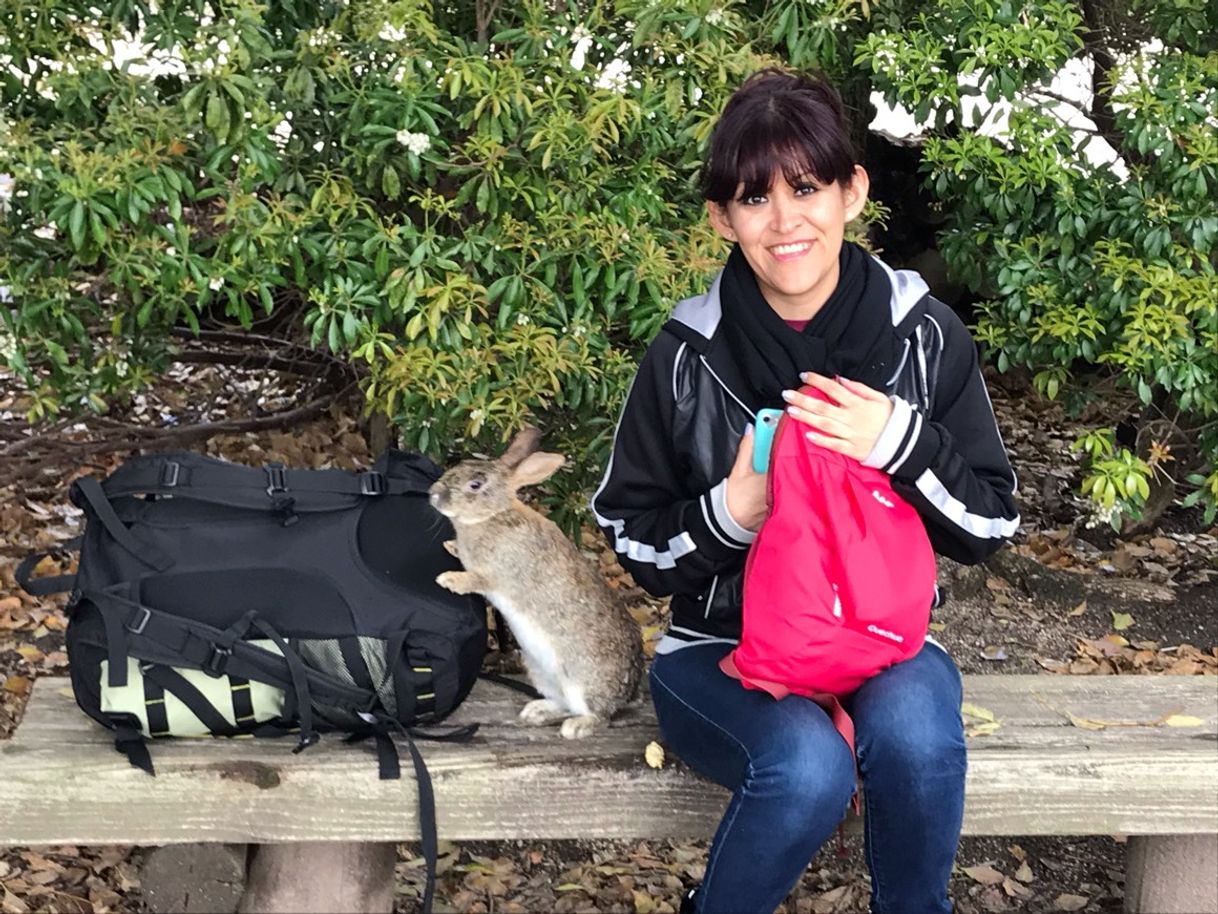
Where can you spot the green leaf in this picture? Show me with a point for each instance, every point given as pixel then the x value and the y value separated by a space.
pixel 390 183
pixel 76 225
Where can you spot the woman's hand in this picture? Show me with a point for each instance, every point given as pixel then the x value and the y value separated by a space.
pixel 746 488
pixel 851 424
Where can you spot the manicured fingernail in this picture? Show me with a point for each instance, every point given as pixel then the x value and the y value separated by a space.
pixel 788 395
pixel 748 429
pixel 804 375
pixel 792 411
pixel 811 436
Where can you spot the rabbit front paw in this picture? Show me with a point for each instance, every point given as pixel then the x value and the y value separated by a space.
pixel 579 727
pixel 541 711
pixel 459 582
pixel 450 546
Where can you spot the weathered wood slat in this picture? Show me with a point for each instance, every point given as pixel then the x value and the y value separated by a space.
pixel 61 782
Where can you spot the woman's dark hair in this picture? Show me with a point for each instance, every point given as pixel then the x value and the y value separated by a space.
pixel 777 121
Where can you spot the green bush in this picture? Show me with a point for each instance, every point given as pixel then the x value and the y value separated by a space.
pixel 1092 274
pixel 490 228
pixel 490 207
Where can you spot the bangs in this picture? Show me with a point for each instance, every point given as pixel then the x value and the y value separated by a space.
pixel 777 125
pixel 759 163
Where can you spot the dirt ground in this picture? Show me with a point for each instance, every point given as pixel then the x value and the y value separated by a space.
pixel 1064 598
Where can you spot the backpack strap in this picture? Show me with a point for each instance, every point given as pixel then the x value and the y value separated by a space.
pixel 97 500
pixel 44 586
pixel 238 486
pixel 174 640
pixel 518 685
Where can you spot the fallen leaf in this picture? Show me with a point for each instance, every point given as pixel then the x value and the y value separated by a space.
pixel 1182 720
pixel 1085 723
pixel 1121 621
pixel 1014 889
pixel 1068 902
pixel 18 685
pixel 643 903
pixel 1078 610
pixel 1018 852
pixel 968 709
pixel 1024 873
pixel 12 904
pixel 985 874
pixel 30 653
pixel 937 626
pixel 993 652
pixel 654 755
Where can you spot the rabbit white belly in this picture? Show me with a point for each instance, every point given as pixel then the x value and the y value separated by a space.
pixel 540 657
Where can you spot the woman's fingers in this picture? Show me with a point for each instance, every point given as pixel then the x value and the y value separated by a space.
pixel 862 390
pixel 820 419
pixel 831 387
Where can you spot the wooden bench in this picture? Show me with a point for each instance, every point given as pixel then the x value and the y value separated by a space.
pixel 1070 756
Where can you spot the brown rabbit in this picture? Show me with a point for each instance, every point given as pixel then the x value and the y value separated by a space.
pixel 581 648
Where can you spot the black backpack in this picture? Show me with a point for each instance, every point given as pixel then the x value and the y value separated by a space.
pixel 214 598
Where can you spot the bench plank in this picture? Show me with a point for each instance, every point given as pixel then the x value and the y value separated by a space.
pixel 1038 774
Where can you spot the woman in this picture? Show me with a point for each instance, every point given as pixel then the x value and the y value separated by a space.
pixel 681 504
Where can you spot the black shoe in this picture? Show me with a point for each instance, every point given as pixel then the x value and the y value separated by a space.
pixel 689 902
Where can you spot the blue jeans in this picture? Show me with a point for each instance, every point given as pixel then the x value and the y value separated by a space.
pixel 792 778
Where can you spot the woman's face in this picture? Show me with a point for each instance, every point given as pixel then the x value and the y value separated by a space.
pixel 792 237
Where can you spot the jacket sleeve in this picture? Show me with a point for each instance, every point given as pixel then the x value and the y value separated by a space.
pixel 951 464
pixel 671 540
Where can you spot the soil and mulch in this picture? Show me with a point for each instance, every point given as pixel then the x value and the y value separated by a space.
pixel 1066 598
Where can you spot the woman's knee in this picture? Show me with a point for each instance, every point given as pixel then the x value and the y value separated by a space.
pixel 916 752
pixel 807 772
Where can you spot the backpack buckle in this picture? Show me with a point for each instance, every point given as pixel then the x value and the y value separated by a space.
pixel 217 660
pixel 277 480
pixel 143 613
pixel 169 474
pixel 373 483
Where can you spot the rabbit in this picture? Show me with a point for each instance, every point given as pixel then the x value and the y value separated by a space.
pixel 581 648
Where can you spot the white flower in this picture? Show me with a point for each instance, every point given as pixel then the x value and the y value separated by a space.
pixel 715 16
pixel 614 76
pixel 418 143
pixel 46 231
pixel 389 33
pixel 522 319
pixel 583 41
pixel 215 283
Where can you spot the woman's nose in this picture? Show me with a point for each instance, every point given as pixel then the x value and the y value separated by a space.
pixel 784 216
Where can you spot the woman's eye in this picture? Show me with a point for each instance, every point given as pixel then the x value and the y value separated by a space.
pixel 754 200
pixel 804 190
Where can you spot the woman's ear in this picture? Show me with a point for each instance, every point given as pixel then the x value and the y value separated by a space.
pixel 856 193
pixel 719 218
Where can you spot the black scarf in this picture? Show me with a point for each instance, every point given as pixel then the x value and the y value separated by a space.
pixel 851 335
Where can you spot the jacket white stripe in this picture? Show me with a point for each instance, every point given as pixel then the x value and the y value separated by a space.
pixel 955 511
pixel 916 424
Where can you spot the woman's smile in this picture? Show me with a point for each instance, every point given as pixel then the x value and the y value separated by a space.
pixel 791 251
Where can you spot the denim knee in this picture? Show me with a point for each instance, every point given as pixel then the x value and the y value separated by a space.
pixel 914 753
pixel 811 778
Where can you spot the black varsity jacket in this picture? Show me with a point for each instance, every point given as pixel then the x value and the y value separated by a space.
pixel 662 502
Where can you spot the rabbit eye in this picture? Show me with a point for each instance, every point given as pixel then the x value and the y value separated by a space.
pixel 474 485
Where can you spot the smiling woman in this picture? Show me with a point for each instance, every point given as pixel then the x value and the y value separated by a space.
pixel 898 390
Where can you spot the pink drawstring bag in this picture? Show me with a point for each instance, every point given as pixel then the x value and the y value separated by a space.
pixel 839 582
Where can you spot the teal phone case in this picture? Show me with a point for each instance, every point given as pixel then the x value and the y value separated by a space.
pixel 764 425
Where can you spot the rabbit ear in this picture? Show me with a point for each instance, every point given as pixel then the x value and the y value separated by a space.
pixel 525 443
pixel 535 468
